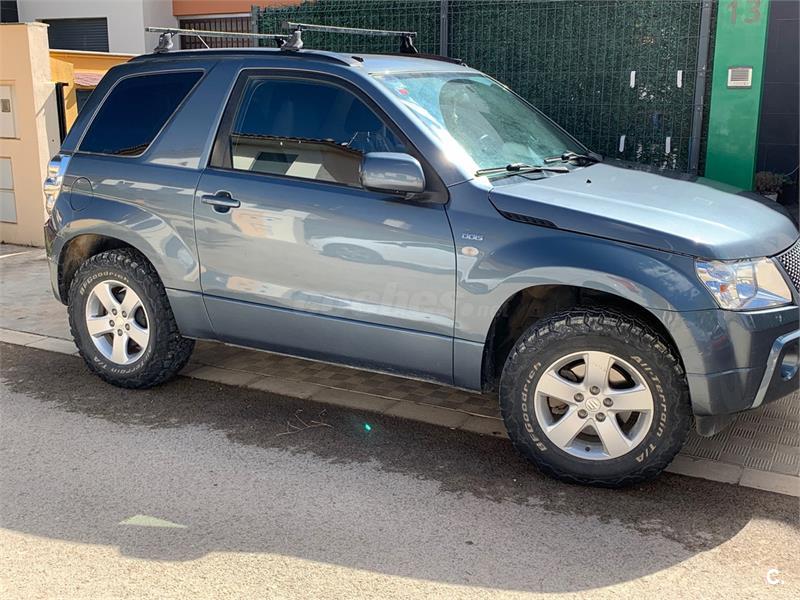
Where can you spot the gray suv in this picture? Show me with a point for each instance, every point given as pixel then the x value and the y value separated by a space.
pixel 411 215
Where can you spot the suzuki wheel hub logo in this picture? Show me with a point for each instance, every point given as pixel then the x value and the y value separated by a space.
pixel 593 404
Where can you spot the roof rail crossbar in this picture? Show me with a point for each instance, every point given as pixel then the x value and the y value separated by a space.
pixel 406 37
pixel 165 43
pixel 332 57
pixel 447 59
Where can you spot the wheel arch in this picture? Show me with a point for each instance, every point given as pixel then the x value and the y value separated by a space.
pixel 75 251
pixel 530 304
pixel 79 248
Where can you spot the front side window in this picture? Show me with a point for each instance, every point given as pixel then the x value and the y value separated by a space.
pixel 135 111
pixel 478 120
pixel 305 129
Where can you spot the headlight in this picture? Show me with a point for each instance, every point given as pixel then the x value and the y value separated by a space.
pixel 745 284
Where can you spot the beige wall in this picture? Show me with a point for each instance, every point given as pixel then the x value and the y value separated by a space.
pixel 25 65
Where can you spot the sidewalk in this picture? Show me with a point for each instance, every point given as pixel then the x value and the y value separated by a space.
pixel 760 450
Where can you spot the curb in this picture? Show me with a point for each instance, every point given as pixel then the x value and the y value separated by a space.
pixel 418 411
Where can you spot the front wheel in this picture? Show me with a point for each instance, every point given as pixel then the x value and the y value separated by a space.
pixel 122 323
pixel 595 397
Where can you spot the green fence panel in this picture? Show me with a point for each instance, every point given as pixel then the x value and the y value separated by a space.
pixel 421 16
pixel 618 74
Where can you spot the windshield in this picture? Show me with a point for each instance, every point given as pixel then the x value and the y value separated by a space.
pixel 479 119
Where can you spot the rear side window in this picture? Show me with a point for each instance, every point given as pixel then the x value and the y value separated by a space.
pixel 135 111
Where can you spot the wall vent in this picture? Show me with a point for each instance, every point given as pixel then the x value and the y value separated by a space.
pixel 740 77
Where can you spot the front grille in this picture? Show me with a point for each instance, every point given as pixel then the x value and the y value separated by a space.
pixel 790 261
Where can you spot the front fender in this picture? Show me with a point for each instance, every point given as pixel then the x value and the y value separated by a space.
pixel 535 256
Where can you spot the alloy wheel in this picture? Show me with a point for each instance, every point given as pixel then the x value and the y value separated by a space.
pixel 593 405
pixel 117 322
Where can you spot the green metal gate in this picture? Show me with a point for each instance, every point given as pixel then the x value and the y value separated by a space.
pixel 627 77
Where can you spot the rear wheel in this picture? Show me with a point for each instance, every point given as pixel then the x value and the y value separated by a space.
pixel 595 397
pixel 122 322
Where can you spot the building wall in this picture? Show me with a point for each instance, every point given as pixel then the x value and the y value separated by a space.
pixel 126 18
pixel 157 13
pixel 25 65
pixel 62 71
pixel 185 8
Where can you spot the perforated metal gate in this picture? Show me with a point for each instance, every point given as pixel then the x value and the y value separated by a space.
pixel 621 75
pixel 234 24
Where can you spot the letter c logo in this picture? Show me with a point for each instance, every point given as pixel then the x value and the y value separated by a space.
pixel 772 577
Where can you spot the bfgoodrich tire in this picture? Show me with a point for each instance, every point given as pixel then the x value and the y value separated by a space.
pixel 122 322
pixel 595 397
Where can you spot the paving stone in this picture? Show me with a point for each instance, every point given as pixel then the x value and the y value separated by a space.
pixel 705 469
pixel 191 367
pixel 55 345
pixel 484 426
pixel 286 387
pixel 226 376
pixel 771 482
pixel 785 465
pixel 354 400
pixel 20 338
pixel 428 414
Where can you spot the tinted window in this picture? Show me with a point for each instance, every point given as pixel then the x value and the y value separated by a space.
pixel 306 129
pixel 135 111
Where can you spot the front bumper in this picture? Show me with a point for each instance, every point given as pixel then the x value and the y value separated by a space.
pixel 779 379
pixel 736 361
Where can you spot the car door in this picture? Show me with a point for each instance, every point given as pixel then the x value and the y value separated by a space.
pixel 297 257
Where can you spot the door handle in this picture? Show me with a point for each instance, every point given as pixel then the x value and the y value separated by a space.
pixel 221 201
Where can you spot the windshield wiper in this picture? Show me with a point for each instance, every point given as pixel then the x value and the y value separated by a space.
pixel 519 169
pixel 570 156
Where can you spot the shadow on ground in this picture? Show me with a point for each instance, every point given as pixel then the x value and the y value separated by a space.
pixel 403 498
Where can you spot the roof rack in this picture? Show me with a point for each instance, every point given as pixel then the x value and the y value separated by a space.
pixel 165 43
pixel 291 41
pixel 406 37
pixel 322 55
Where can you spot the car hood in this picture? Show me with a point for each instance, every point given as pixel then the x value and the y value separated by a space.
pixel 649 210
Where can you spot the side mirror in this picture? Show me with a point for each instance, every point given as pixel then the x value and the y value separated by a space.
pixel 392 172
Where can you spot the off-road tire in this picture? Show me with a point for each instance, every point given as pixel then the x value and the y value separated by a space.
pixel 167 351
pixel 626 337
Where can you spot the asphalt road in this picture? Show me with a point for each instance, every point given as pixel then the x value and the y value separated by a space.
pixel 196 489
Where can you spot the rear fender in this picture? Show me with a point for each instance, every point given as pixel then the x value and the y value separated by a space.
pixel 163 243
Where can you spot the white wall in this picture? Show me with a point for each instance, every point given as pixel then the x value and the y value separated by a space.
pixel 126 18
pixel 157 13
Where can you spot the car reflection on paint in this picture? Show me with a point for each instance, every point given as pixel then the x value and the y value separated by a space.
pixel 377 252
